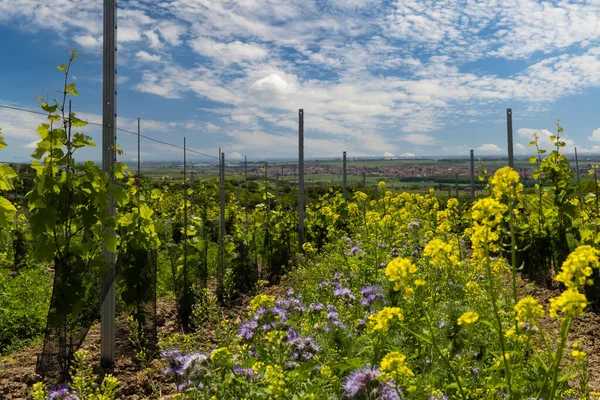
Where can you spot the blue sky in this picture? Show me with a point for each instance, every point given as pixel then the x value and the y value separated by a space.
pixel 406 77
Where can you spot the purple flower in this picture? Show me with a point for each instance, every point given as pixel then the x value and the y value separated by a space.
pixel 246 330
pixel 62 392
pixel 395 252
pixel 246 373
pixel 316 307
pixel 342 291
pixel 370 294
pixel 363 383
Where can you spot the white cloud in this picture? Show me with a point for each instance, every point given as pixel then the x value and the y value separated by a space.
pixel 408 155
pixel 544 141
pixel 420 139
pixel 387 154
pixel 88 41
pixel 147 57
pixel 595 136
pixel 228 53
pixel 489 148
pixel 235 155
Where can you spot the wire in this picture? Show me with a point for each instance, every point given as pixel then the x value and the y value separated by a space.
pixel 118 130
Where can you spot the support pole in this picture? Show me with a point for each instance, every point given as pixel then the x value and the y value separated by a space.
pixel 245 178
pixel 472 176
pixel 277 188
pixel 509 133
pixel 186 294
pixel 139 135
pixel 221 268
pixel 301 179
pixel 345 179
pixel 267 200
pixel 578 180
pixel 109 156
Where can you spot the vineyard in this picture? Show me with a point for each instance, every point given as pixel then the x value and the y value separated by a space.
pixel 389 294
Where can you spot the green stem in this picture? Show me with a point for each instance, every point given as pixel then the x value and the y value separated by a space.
pixel 564 330
pixel 498 320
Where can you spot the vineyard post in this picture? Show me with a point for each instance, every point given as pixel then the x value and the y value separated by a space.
pixel 139 132
pixel 238 195
pixel 301 179
pixel 267 200
pixel 578 179
pixel 221 270
pixel 245 178
pixel 109 121
pixel 185 220
pixel 509 133
pixel 345 179
pixel 277 188
pixel 472 176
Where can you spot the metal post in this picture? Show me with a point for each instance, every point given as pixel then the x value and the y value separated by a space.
pixel 277 188
pixel 245 178
pixel 301 179
pixel 345 180
pixel 238 195
pixel 192 187
pixel 472 176
pixel 221 268
pixel 139 132
pixel 109 156
pixel 267 200
pixel 578 180
pixel 509 126
pixel 456 185
pixel 185 225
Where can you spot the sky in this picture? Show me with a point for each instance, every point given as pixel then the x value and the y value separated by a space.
pixel 375 78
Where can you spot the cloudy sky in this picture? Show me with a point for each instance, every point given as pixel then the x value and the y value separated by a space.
pixel 429 77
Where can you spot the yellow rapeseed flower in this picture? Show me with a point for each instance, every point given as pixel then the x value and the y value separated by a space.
pixel 570 302
pixel 262 300
pixel 393 367
pixel 468 318
pixel 577 268
pixel 380 322
pixel 503 183
pixel 439 252
pixel 528 310
pixel 398 271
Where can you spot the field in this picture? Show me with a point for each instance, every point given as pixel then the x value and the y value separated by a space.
pixel 403 290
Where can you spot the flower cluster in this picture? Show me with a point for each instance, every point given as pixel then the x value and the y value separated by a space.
pixel 468 318
pixel 364 383
pixel 577 268
pixel 505 182
pixel 393 367
pixel 381 321
pixel 439 253
pixel 398 272
pixel 529 311
pixel 570 302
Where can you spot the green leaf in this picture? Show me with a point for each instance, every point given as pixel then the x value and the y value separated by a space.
pixel 71 89
pixel 7 213
pixel 145 211
pixel 110 241
pixel 119 194
pixel 126 219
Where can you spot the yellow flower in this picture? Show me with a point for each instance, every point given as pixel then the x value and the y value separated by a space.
pixel 577 268
pixel 529 311
pixel 398 270
pixel 468 318
pixel 439 252
pixel 577 353
pixel 488 211
pixel 262 300
pixel 361 196
pixel 504 182
pixel 381 185
pixel 309 248
pixel 393 367
pixel 570 302
pixel 381 321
